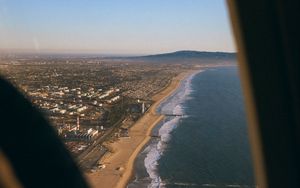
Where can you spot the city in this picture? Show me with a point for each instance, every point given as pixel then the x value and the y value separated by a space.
pixel 89 101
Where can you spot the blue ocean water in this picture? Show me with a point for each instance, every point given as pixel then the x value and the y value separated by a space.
pixel 207 146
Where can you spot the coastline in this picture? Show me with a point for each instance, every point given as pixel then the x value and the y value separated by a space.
pixel 120 163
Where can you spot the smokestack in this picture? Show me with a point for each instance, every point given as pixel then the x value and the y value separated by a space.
pixel 78 124
pixel 143 107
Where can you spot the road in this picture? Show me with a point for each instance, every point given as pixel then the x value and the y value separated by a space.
pixel 93 153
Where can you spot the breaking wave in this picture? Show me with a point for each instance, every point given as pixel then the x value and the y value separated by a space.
pixel 173 105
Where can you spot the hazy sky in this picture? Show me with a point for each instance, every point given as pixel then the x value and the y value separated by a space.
pixel 115 26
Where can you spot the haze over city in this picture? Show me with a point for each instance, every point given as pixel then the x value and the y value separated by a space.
pixel 114 27
pixel 115 94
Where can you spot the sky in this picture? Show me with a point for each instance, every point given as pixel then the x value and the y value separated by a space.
pixel 115 26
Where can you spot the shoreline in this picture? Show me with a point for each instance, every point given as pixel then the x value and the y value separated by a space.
pixel 120 163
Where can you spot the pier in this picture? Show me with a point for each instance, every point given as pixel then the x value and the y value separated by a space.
pixel 176 115
pixel 155 136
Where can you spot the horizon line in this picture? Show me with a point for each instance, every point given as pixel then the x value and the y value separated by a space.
pixel 83 52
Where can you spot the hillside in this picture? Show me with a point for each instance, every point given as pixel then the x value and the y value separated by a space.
pixel 184 56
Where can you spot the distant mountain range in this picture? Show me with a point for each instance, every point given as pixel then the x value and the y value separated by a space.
pixel 191 54
pixel 183 56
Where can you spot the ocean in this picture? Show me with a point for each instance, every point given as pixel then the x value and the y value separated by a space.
pixel 206 145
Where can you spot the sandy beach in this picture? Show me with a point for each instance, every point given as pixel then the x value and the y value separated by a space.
pixel 120 162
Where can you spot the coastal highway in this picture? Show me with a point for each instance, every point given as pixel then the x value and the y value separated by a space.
pixel 93 153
